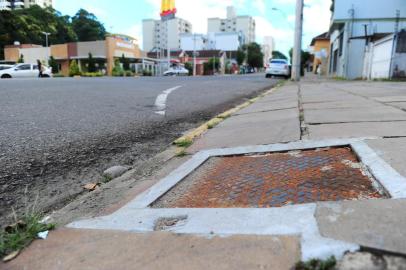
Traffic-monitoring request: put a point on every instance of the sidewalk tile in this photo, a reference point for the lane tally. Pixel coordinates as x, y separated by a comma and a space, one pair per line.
106, 250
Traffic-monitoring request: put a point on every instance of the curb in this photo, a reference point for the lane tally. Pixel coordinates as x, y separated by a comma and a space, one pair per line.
187, 140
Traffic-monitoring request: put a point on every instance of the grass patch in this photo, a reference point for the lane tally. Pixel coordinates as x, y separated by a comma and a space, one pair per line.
22, 233
314, 264
181, 152
185, 142
106, 179
338, 78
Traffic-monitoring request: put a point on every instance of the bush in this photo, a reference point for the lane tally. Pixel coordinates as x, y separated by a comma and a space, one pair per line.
146, 73
129, 73
53, 64
74, 69
93, 74
117, 70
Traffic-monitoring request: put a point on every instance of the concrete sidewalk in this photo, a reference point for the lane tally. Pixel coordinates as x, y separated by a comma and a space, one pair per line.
314, 110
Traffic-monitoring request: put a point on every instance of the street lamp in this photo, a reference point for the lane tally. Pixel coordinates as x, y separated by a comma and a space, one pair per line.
46, 42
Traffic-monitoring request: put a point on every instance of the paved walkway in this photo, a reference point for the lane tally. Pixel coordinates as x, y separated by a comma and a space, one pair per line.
316, 110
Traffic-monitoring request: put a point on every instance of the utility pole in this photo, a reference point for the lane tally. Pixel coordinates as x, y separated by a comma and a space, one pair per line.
194, 54
297, 50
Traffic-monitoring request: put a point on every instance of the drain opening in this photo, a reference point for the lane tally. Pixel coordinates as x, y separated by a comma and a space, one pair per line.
274, 180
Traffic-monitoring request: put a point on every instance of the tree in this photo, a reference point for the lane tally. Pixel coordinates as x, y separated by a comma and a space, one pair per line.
305, 56
255, 57
53, 64
126, 62
87, 27
27, 25
21, 59
240, 57
278, 55
74, 69
91, 63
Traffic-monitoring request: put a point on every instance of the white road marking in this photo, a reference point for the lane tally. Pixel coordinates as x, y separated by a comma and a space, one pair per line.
160, 102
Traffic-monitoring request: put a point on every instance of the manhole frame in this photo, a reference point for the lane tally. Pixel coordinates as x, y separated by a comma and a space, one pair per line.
392, 182
298, 220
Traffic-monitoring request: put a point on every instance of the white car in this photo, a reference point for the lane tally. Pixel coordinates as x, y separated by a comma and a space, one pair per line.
24, 71
177, 71
5, 66
278, 67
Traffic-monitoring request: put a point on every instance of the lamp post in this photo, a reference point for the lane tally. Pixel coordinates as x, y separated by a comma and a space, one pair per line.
297, 50
46, 43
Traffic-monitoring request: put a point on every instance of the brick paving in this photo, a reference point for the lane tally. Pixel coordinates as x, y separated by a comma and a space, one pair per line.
274, 180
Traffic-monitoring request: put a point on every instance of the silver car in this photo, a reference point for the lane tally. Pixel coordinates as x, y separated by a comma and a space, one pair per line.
278, 67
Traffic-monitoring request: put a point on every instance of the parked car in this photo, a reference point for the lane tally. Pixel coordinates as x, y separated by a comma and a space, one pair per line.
278, 67
5, 66
24, 71
176, 71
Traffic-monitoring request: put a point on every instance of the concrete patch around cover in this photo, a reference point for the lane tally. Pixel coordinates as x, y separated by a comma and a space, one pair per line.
289, 220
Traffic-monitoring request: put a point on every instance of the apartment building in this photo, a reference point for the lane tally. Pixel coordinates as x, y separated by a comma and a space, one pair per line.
159, 35
19, 4
233, 23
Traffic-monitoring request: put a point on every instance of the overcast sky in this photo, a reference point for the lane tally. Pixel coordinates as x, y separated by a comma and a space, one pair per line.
125, 16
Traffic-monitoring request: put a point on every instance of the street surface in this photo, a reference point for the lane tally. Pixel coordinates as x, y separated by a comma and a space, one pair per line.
59, 134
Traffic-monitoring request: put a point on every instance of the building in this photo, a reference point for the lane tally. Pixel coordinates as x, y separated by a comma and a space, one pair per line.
353, 23
105, 52
19, 4
320, 48
386, 57
268, 46
155, 33
234, 24
222, 41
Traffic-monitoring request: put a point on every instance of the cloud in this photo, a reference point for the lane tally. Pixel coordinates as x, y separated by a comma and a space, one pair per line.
136, 32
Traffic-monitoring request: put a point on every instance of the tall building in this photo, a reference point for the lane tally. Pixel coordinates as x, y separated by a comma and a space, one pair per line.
155, 35
19, 4
268, 46
234, 23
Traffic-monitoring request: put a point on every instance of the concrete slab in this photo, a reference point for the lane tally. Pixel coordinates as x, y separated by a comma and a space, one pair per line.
378, 113
400, 105
374, 223
269, 106
392, 151
356, 130
98, 249
252, 129
391, 99
340, 105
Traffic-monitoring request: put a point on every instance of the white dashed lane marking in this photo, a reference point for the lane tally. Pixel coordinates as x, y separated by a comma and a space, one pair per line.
160, 102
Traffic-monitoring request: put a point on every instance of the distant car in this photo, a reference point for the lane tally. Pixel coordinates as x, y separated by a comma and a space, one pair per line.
5, 66
278, 67
24, 71
176, 71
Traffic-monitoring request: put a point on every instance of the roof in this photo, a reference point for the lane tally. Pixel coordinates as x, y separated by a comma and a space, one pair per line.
324, 36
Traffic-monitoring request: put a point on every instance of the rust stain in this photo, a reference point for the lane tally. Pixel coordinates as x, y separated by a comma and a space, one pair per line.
279, 179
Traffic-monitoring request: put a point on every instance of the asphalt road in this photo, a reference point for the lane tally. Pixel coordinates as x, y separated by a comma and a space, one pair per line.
58, 134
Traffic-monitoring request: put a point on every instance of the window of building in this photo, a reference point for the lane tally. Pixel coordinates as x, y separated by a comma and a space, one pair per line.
341, 44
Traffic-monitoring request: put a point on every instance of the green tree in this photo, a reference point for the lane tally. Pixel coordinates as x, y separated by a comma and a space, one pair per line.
87, 27
74, 69
53, 64
255, 57
27, 25
126, 62
91, 63
278, 55
240, 57
117, 69
189, 67
21, 59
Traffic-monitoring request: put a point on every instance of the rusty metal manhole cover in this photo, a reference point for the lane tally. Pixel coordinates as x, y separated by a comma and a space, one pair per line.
273, 180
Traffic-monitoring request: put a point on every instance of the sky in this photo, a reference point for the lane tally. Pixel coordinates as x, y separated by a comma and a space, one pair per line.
125, 16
